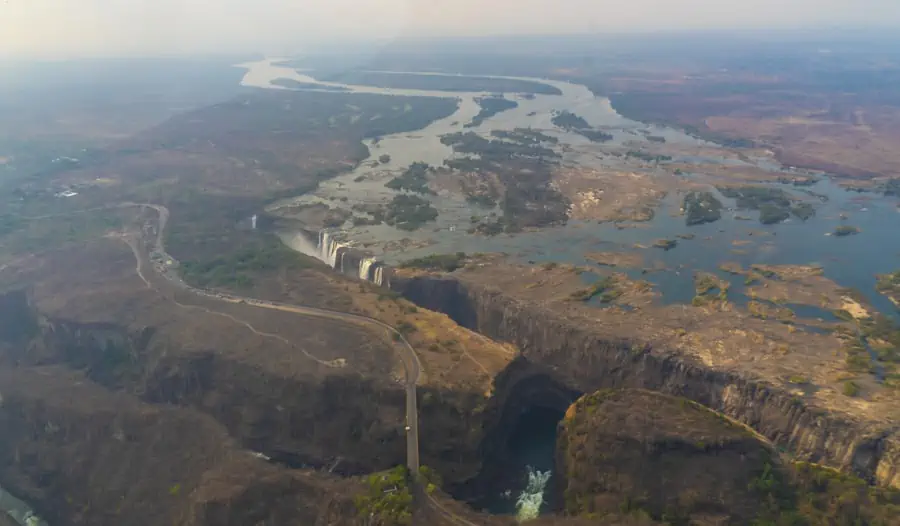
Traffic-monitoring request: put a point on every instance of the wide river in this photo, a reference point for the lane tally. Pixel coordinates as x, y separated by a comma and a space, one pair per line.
852, 261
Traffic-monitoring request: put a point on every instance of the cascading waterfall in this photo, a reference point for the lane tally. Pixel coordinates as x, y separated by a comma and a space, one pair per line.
528, 506
328, 248
333, 252
365, 266
253, 222
379, 276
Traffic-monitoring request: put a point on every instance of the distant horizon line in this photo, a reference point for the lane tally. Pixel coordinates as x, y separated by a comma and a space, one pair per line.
823, 33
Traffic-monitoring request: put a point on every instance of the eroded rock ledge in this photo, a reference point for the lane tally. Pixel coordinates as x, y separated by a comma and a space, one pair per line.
342, 422
587, 360
82, 455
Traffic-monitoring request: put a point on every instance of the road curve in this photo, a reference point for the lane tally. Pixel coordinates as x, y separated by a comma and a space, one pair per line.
411, 363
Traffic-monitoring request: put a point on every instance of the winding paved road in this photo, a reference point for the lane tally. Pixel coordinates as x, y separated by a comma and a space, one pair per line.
411, 363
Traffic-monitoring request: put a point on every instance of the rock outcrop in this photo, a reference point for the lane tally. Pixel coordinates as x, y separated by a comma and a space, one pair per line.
660, 454
332, 419
81, 455
673, 460
585, 359
301, 419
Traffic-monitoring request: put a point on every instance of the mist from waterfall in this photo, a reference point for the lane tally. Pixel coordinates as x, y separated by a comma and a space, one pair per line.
302, 244
333, 251
528, 505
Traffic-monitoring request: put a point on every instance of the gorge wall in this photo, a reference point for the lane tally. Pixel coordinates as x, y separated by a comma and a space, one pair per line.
341, 422
585, 360
80, 454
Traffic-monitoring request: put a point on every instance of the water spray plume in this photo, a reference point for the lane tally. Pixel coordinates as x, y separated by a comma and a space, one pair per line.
528, 506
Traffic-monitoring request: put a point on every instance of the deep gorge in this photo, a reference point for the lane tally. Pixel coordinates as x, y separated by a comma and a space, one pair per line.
519, 442
584, 360
471, 440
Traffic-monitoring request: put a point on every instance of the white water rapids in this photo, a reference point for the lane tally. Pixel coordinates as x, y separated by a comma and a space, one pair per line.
528, 505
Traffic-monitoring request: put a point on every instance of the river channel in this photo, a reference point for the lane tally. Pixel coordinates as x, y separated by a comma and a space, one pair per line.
852, 261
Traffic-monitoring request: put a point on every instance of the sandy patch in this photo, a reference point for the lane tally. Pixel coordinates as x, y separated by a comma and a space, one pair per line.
854, 308
608, 195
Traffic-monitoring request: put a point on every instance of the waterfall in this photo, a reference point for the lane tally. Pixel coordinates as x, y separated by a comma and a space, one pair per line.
253, 222
365, 266
528, 506
325, 248
329, 248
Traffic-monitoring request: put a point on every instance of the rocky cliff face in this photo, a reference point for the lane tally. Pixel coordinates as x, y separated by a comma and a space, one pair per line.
663, 455
82, 455
521, 387
585, 360
347, 423
302, 421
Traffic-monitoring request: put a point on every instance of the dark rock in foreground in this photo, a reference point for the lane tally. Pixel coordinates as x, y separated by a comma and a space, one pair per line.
665, 455
81, 455
666, 458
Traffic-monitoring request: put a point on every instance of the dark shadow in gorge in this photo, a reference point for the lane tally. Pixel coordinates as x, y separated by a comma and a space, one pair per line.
521, 431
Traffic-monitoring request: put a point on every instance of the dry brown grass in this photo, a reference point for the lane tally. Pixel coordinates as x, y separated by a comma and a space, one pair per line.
847, 134
97, 283
453, 357
845, 148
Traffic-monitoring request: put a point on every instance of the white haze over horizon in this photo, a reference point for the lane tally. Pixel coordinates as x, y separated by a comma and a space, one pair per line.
62, 29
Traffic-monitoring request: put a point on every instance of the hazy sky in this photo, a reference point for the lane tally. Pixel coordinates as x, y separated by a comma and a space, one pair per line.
64, 28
